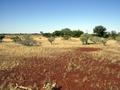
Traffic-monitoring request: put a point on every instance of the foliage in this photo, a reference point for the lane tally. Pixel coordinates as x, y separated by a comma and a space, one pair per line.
66, 32
100, 31
84, 38
96, 39
113, 34
51, 39
47, 34
118, 33
26, 40
77, 33
103, 41
106, 35
57, 33
16, 39
118, 39
66, 37
1, 37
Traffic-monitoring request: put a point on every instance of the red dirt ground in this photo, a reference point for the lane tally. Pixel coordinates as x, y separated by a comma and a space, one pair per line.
71, 70
88, 49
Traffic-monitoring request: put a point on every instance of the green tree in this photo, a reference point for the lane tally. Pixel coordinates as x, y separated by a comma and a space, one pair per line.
66, 31
113, 34
77, 33
47, 34
100, 31
57, 33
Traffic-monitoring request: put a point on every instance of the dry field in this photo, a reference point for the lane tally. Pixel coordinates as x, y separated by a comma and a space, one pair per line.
71, 65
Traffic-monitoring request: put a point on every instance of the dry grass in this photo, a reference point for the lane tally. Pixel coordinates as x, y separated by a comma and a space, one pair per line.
65, 57
11, 53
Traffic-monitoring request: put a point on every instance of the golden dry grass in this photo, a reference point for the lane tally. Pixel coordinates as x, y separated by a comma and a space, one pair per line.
11, 53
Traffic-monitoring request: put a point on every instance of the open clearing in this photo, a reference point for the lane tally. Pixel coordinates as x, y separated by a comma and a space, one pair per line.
68, 63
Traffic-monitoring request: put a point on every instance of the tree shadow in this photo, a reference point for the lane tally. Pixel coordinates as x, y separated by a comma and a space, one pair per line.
57, 88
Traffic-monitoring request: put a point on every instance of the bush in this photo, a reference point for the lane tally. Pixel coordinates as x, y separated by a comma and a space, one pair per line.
84, 38
118, 39
16, 39
26, 40
66, 37
1, 37
51, 39
47, 34
103, 41
96, 39
113, 34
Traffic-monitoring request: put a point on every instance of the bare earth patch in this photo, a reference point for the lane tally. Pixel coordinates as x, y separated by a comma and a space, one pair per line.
88, 49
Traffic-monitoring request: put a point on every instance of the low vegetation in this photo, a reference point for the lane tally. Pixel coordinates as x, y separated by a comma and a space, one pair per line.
26, 40
84, 38
51, 39
118, 39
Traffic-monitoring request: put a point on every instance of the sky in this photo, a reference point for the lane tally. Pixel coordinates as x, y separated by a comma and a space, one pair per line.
33, 16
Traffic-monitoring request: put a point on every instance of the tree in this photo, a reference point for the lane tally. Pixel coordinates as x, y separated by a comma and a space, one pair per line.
1, 37
41, 32
57, 33
100, 31
47, 34
66, 31
113, 34
77, 33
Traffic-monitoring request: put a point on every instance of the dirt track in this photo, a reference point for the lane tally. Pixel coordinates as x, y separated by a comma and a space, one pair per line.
75, 70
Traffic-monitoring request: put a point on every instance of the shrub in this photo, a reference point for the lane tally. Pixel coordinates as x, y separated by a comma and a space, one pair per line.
51, 39
113, 34
66, 37
84, 38
47, 34
103, 41
96, 39
26, 40
1, 37
118, 39
16, 39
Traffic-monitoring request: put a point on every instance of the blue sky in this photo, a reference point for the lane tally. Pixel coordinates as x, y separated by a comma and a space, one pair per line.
27, 16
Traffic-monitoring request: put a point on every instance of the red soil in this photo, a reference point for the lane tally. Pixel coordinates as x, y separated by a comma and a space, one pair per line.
88, 49
87, 74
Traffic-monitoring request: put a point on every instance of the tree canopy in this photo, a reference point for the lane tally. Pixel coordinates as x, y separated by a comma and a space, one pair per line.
99, 31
